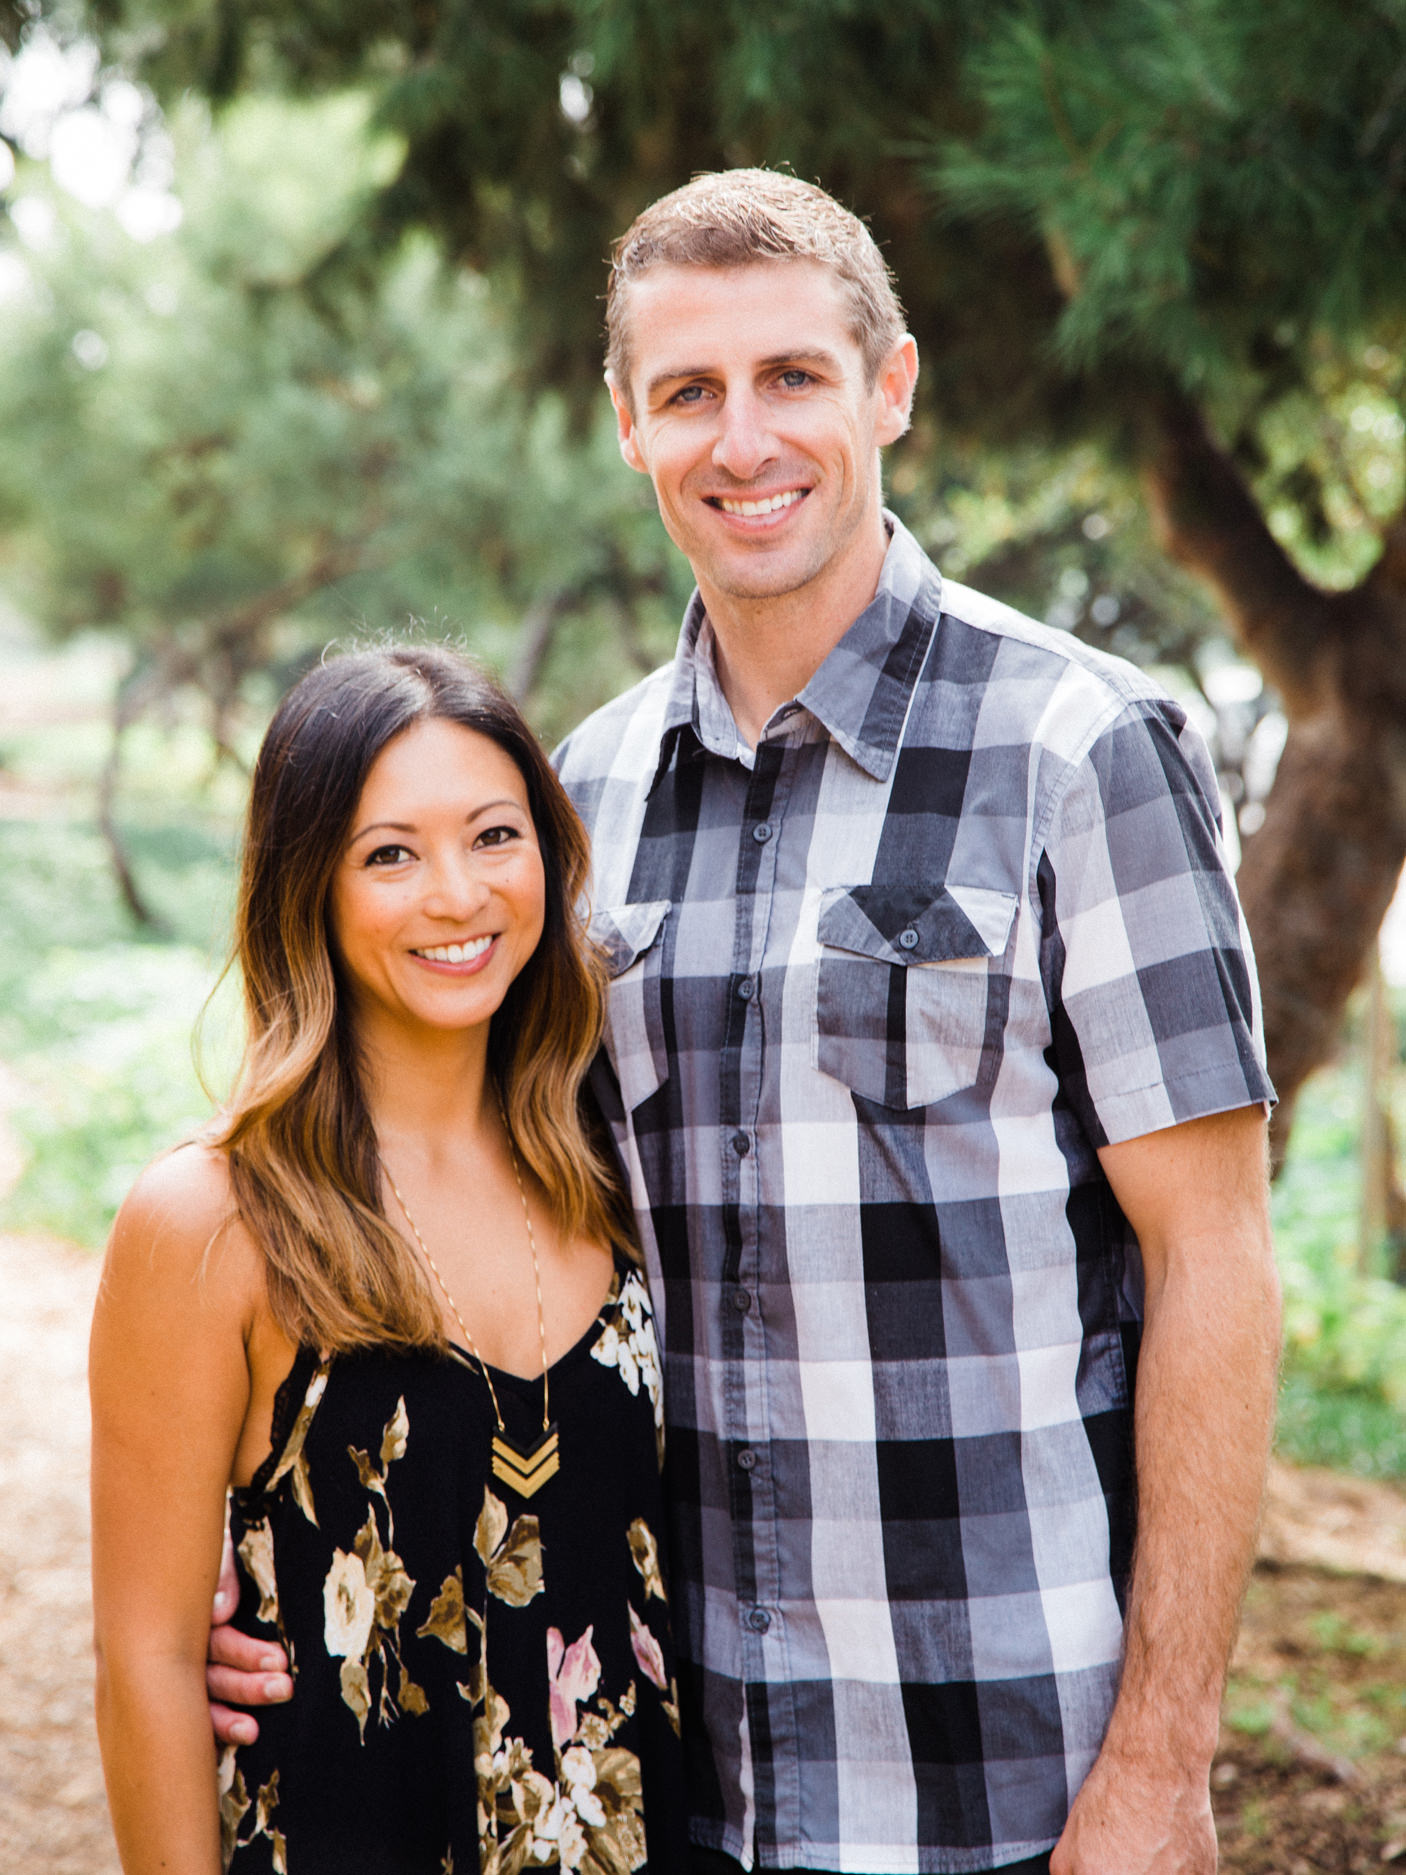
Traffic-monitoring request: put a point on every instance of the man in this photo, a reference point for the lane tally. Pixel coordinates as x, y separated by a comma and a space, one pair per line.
936, 1072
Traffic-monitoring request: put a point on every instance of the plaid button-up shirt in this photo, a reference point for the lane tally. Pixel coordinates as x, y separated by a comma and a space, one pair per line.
880, 990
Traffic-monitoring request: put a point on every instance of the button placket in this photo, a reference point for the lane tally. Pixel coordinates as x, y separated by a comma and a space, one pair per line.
748, 1409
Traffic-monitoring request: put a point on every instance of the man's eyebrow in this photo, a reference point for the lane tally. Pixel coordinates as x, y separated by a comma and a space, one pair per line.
679, 374
817, 356
674, 375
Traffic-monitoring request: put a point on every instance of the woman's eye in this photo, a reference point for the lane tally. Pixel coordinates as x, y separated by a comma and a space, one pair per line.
389, 856
497, 836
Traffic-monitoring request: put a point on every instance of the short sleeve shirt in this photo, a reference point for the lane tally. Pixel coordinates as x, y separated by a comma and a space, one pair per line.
881, 990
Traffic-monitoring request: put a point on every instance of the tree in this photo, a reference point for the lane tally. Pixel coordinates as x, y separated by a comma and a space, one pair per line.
201, 462
1170, 230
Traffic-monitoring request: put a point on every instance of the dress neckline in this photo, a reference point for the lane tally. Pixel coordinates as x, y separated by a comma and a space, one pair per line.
505, 1376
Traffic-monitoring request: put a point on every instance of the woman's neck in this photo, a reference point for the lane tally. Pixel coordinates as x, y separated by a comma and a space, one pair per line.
431, 1091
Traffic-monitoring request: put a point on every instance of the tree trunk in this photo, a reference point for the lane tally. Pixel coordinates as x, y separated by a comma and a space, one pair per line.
1317, 878
125, 707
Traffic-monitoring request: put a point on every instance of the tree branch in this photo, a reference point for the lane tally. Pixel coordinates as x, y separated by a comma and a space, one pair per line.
231, 641
535, 638
133, 694
1207, 519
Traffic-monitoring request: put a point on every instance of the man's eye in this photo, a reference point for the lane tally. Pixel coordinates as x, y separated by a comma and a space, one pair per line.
389, 856
690, 394
795, 380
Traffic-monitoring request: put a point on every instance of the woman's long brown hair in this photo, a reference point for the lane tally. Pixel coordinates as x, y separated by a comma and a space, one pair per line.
302, 1152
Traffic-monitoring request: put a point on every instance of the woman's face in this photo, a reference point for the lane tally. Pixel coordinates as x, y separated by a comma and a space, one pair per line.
439, 895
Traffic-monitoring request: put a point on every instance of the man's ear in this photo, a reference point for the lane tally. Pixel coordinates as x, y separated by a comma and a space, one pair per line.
625, 427
897, 381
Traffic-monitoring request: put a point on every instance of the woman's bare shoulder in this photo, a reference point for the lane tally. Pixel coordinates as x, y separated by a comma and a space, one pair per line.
186, 1188
180, 1216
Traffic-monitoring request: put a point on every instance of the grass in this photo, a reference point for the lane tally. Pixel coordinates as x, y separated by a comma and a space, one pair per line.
96, 1020
96, 1016
1343, 1395
1324, 1655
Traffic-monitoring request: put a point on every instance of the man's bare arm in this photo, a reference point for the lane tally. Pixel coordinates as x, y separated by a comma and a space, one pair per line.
1197, 1196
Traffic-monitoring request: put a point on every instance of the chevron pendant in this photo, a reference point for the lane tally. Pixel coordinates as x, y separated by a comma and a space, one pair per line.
526, 1471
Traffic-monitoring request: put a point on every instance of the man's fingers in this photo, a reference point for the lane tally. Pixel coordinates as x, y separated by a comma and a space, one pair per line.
232, 1728
245, 1652
229, 1686
227, 1589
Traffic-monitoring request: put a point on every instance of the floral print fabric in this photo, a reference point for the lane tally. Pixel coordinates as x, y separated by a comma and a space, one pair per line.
479, 1682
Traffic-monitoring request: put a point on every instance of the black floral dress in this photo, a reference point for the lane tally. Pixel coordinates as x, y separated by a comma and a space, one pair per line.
482, 1681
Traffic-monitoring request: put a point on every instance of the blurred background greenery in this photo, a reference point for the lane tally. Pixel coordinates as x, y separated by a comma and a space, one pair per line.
299, 340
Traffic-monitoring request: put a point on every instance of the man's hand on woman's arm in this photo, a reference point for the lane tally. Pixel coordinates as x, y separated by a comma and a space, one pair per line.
240, 1671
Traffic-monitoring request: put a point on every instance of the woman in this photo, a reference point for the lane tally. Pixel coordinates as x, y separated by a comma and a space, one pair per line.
389, 1301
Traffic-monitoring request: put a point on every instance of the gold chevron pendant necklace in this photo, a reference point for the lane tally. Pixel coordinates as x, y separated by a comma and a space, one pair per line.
525, 1468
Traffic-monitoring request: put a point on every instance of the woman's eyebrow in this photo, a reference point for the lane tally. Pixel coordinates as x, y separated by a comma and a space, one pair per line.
382, 826
410, 826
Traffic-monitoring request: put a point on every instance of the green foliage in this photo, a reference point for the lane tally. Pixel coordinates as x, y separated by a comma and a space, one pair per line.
1210, 175
533, 130
1343, 1400
96, 1027
230, 474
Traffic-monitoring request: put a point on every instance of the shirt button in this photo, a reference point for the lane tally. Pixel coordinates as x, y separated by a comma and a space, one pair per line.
758, 1620
908, 939
761, 833
747, 1458
747, 989
741, 1145
742, 1300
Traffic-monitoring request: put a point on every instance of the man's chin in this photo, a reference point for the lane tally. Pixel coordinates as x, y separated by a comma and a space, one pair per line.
758, 580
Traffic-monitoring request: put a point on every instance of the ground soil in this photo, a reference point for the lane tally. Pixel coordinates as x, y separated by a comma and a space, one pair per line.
52, 1815
1311, 1777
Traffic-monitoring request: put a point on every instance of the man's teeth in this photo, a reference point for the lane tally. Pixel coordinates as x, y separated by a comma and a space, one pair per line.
455, 953
768, 506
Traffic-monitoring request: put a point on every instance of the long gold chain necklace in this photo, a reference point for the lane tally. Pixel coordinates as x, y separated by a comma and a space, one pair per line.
525, 1468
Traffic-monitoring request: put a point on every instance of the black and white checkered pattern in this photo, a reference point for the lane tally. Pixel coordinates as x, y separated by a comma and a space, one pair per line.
879, 993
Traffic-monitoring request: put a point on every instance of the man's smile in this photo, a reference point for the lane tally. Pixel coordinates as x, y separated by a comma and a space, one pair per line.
757, 504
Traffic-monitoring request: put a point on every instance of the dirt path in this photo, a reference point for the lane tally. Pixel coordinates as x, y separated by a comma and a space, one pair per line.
52, 1814
1318, 1643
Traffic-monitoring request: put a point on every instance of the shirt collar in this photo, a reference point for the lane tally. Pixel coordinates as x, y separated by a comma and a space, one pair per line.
860, 693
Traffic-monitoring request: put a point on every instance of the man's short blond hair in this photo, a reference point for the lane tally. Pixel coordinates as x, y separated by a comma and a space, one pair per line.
736, 217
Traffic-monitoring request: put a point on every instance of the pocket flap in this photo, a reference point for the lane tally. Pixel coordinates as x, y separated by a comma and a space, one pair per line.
904, 925
625, 932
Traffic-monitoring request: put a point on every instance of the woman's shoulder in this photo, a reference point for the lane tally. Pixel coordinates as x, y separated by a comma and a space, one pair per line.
180, 1218
186, 1186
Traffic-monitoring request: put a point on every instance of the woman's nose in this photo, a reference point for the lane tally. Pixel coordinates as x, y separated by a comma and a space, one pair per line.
457, 889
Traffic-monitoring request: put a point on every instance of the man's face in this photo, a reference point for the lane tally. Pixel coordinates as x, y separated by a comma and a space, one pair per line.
751, 412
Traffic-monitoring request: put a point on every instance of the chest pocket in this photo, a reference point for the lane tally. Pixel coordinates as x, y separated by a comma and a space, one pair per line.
633, 938
903, 992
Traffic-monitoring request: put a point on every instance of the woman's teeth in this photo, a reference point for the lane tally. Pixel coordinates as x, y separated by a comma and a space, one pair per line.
455, 953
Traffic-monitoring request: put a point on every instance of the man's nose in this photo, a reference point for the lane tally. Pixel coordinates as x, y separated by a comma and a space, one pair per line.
745, 442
